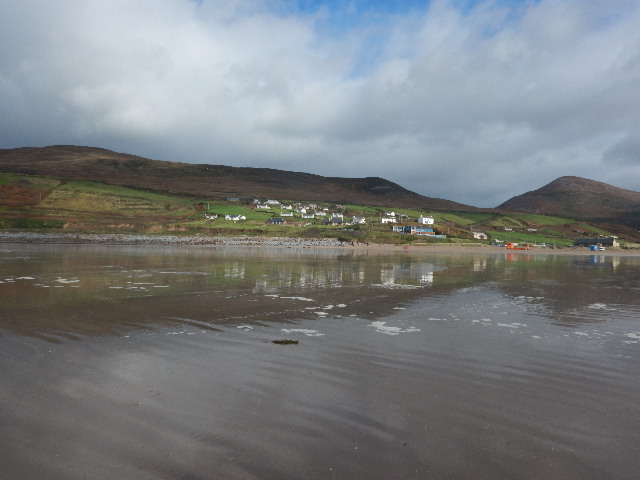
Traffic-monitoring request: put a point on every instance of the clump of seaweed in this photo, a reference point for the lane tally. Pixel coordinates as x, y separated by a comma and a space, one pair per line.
285, 342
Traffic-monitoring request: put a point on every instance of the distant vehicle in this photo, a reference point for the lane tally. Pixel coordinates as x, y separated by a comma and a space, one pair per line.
515, 246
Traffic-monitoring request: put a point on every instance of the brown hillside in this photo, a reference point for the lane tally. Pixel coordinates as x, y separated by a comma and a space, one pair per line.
582, 199
210, 181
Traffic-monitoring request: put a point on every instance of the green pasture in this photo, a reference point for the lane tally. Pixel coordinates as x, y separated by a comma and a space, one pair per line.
532, 237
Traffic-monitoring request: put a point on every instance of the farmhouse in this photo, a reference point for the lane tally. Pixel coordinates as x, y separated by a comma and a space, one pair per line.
422, 220
388, 220
276, 221
479, 235
235, 218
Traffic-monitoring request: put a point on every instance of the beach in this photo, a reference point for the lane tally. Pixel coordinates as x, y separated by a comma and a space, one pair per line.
251, 241
150, 361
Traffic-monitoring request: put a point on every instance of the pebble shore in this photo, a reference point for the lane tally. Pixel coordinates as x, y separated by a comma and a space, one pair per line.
127, 239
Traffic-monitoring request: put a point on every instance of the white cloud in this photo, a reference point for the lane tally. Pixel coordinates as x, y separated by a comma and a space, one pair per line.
472, 105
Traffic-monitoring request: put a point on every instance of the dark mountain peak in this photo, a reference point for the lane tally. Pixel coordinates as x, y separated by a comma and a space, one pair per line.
583, 184
580, 198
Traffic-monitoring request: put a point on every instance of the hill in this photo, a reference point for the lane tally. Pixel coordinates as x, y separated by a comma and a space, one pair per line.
581, 199
210, 181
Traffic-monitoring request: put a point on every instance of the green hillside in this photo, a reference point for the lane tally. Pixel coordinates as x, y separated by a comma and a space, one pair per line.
30, 202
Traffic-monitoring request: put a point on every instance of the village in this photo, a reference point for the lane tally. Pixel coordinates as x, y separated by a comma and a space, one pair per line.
308, 214
349, 218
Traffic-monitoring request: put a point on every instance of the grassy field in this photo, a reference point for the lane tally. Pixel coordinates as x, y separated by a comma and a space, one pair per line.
40, 203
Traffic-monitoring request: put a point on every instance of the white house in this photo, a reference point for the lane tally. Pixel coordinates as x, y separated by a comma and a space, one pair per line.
308, 215
263, 207
388, 220
422, 220
301, 210
286, 214
272, 202
358, 221
390, 214
321, 213
235, 217
479, 235
286, 207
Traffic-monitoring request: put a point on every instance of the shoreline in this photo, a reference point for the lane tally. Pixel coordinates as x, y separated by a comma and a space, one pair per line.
245, 241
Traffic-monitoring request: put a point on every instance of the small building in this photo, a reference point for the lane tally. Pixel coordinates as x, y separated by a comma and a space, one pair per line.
308, 215
263, 206
276, 221
420, 230
286, 214
358, 220
532, 229
272, 202
425, 220
508, 229
233, 199
600, 242
388, 220
235, 218
479, 235
321, 213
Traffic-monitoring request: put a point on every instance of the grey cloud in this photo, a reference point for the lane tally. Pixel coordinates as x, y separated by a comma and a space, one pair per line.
473, 106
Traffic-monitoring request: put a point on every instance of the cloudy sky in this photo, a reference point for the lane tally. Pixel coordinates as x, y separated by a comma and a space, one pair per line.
469, 100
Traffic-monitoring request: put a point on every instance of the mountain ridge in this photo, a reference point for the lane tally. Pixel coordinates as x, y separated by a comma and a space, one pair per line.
214, 181
580, 198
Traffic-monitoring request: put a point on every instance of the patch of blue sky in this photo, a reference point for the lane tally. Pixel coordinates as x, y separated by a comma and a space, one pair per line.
340, 17
370, 20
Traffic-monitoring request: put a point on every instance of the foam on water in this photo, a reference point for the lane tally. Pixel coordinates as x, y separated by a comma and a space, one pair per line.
304, 331
381, 327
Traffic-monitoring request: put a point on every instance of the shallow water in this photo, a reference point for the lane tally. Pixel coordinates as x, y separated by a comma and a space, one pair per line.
159, 362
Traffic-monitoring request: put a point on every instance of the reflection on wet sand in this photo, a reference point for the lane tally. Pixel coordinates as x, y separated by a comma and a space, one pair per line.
403, 365
70, 291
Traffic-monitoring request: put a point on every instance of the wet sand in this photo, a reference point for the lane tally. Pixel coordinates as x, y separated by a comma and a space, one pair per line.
159, 363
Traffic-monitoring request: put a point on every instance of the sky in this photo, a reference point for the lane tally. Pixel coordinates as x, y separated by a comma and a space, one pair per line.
468, 100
